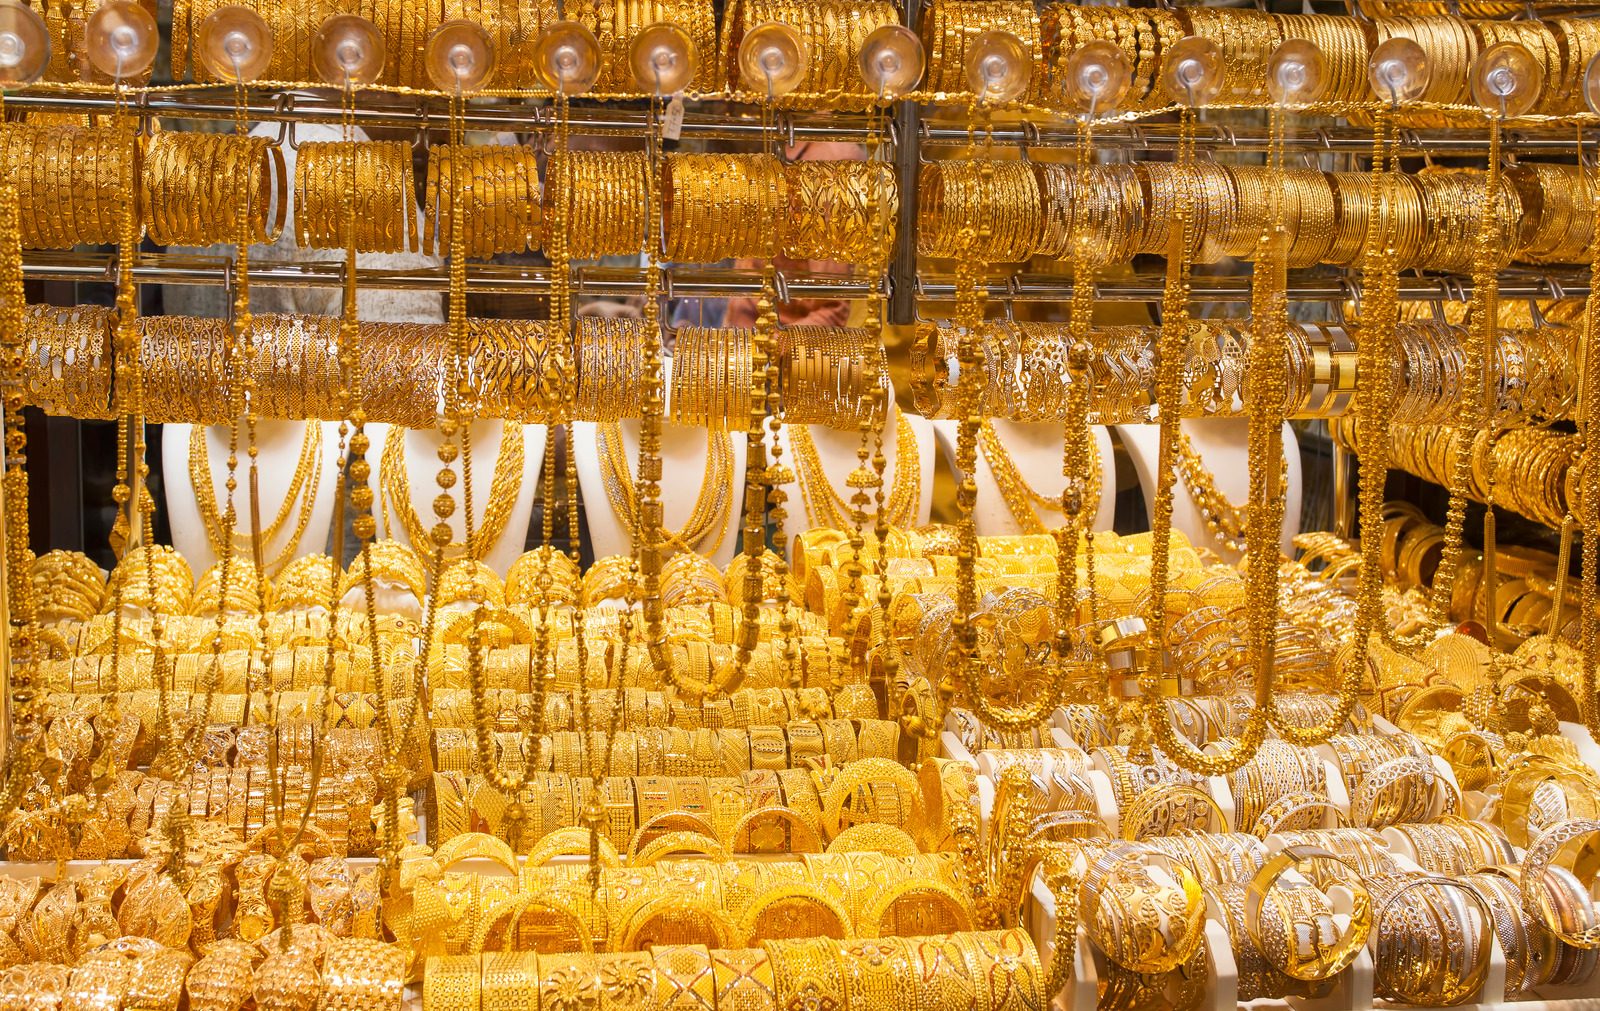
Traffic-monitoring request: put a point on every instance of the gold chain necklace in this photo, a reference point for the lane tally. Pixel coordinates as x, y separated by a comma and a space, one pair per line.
1021, 499
824, 505
711, 505
504, 487
1227, 522
303, 488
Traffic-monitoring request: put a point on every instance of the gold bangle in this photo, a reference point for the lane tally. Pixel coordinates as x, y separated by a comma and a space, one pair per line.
743, 979
476, 846
658, 920
1121, 907
794, 910
361, 974
916, 906
452, 982
568, 981
684, 980
806, 973
627, 981
510, 980
1281, 946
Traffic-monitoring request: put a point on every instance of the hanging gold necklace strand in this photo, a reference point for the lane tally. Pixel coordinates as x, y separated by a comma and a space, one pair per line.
711, 505
1174, 337
1226, 522
303, 488
1021, 500
826, 508
504, 487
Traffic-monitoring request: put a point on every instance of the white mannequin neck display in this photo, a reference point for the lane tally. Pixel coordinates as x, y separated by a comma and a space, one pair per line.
1221, 446
685, 457
421, 455
279, 447
1035, 449
836, 453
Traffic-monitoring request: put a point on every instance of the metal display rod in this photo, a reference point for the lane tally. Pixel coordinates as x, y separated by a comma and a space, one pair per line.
420, 112
713, 282
1307, 139
735, 121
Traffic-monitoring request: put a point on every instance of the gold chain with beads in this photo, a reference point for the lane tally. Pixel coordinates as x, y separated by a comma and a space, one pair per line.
1173, 339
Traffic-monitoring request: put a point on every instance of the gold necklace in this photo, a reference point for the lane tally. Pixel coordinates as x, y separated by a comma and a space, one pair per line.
711, 505
1021, 500
504, 487
1226, 522
826, 508
303, 487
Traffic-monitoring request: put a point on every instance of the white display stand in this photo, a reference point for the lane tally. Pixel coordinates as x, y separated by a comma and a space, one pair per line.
1036, 449
422, 463
683, 469
278, 445
1221, 445
837, 452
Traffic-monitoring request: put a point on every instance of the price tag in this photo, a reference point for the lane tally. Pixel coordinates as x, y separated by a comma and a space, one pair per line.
672, 123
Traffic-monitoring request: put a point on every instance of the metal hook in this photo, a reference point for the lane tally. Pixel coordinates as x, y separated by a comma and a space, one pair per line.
1352, 294
919, 295
141, 102
924, 140
281, 107
1535, 316
1029, 135
422, 128
1007, 305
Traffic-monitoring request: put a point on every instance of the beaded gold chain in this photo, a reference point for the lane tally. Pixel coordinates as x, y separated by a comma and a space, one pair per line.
505, 485
21, 614
970, 296
1228, 523
1173, 339
1588, 465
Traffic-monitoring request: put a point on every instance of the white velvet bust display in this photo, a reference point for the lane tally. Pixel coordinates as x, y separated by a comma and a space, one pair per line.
421, 449
836, 452
1035, 449
1221, 446
278, 446
684, 463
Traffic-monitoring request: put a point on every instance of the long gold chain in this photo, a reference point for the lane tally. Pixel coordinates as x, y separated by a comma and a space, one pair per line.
20, 609
505, 485
970, 296
1173, 339
1589, 491
303, 486
711, 505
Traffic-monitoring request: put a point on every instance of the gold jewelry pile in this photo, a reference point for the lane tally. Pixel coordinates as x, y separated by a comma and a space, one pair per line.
389, 738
